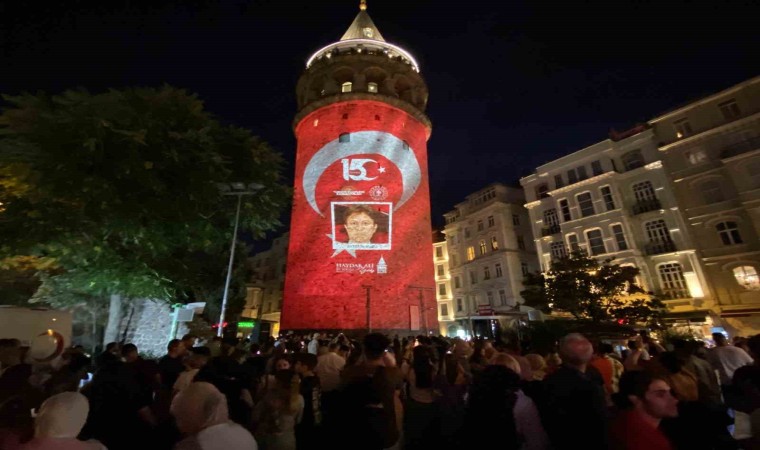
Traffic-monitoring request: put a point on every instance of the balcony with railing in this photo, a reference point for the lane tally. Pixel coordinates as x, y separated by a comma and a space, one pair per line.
642, 206
673, 294
740, 147
658, 248
550, 230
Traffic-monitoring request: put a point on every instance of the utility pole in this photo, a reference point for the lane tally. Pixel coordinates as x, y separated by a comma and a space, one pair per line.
369, 307
423, 310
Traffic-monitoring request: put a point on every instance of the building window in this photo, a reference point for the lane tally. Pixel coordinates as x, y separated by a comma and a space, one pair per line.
442, 289
632, 160
494, 243
657, 231
609, 201
711, 191
643, 191
558, 181
585, 204
439, 269
683, 128
499, 272
470, 253
550, 218
344, 137
491, 221
515, 219
439, 252
581, 173
558, 250
466, 233
486, 273
525, 269
480, 225
571, 176
564, 207
672, 281
489, 298
596, 167
753, 172
572, 241
617, 231
460, 305
730, 110
346, 87
372, 87
520, 243
473, 277
502, 297
729, 233
454, 261
457, 282
444, 309
542, 191
695, 157
596, 242
482, 247
747, 277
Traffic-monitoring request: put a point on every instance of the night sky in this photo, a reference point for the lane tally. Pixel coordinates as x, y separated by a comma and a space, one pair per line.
512, 84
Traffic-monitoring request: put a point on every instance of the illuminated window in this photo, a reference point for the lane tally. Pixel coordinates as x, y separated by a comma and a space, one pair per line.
609, 201
558, 250
595, 242
460, 305
486, 273
711, 191
564, 207
470, 253
695, 156
747, 277
730, 109
617, 231
520, 243
586, 204
480, 225
672, 281
345, 137
482, 247
494, 243
457, 282
491, 221
442, 289
596, 167
346, 87
489, 298
439, 270
499, 272
444, 309
729, 233
502, 297
632, 160
682, 128
473, 277
372, 87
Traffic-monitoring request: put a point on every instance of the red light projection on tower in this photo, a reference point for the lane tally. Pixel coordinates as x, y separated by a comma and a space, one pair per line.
361, 217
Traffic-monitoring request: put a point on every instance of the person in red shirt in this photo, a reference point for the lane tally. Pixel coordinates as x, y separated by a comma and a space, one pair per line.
645, 399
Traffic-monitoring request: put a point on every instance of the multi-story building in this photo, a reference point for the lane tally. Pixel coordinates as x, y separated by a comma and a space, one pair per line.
264, 299
488, 241
443, 292
678, 197
711, 151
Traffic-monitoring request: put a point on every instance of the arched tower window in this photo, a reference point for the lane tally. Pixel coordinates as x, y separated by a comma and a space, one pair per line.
372, 87
747, 277
346, 87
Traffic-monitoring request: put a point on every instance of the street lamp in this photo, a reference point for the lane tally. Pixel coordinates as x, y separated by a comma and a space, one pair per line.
423, 310
238, 189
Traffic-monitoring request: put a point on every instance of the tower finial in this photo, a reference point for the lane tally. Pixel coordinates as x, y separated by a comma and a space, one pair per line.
363, 5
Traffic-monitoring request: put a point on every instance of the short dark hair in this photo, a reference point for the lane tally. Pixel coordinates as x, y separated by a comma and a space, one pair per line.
754, 345
719, 337
636, 383
375, 345
111, 345
307, 359
173, 344
189, 336
359, 209
127, 349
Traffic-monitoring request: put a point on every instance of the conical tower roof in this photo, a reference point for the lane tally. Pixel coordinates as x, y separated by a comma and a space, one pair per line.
362, 27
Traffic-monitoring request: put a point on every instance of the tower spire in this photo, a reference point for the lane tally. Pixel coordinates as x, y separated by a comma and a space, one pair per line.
363, 5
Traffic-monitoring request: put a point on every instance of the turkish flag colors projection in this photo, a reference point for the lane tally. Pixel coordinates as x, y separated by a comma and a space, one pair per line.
361, 220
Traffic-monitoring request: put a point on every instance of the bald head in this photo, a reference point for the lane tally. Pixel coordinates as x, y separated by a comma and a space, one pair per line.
575, 349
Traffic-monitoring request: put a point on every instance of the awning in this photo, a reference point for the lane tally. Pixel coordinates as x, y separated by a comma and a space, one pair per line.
689, 316
743, 312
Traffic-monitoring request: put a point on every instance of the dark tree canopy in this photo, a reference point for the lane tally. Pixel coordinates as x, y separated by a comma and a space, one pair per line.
591, 290
117, 193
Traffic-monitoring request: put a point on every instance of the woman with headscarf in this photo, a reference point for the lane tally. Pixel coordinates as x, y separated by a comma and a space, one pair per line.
58, 423
201, 414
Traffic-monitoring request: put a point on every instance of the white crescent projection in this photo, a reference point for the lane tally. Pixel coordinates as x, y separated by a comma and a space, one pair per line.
364, 143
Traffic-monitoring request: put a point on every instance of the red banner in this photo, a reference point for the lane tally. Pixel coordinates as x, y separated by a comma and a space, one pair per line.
360, 221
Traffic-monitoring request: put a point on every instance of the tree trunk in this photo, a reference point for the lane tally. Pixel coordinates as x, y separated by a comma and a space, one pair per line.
111, 333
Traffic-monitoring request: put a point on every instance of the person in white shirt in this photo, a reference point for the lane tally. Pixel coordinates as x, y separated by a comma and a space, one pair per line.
314, 344
726, 358
329, 367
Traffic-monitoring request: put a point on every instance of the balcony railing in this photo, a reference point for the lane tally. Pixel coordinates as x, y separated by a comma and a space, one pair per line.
740, 147
643, 206
674, 294
550, 230
657, 248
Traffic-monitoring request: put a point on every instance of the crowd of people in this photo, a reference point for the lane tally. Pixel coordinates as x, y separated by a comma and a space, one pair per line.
308, 392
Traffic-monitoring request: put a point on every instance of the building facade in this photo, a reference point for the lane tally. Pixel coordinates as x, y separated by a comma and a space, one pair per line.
443, 292
265, 288
488, 251
710, 149
360, 221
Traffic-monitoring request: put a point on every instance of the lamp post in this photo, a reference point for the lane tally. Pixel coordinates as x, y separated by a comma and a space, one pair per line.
239, 190
423, 310
368, 288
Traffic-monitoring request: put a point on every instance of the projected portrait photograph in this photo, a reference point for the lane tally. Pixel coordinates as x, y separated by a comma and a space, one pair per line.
361, 225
